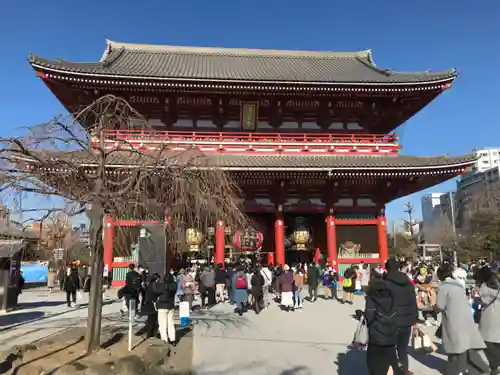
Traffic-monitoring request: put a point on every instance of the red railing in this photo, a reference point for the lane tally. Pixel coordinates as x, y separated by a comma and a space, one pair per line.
252, 142
186, 136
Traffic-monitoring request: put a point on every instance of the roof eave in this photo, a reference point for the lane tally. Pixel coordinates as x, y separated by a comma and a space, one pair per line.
444, 77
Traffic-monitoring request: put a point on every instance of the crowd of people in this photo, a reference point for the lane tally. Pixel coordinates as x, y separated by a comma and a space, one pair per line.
462, 302
469, 315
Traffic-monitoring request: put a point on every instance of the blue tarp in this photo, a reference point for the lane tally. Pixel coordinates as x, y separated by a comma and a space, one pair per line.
35, 273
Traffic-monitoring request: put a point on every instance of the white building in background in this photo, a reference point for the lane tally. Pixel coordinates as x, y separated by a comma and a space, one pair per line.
488, 158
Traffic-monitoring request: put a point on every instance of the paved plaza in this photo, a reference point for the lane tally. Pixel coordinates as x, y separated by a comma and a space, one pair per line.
41, 315
314, 341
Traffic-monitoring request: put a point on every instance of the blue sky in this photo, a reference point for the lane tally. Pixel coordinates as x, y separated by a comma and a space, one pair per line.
407, 36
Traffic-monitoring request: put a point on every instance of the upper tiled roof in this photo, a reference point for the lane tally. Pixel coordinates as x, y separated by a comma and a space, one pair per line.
239, 65
283, 162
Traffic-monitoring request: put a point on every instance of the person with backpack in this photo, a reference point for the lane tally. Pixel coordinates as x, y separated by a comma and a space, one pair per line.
380, 317
240, 293
165, 305
330, 284
348, 285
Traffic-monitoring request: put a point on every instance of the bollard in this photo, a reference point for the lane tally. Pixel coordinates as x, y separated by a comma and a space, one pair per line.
131, 316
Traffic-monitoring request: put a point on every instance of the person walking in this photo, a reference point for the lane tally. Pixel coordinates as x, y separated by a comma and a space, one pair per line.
266, 289
313, 277
149, 307
380, 314
240, 293
285, 281
489, 327
220, 283
298, 285
165, 305
405, 301
188, 287
460, 335
51, 279
71, 286
348, 285
207, 287
257, 283
132, 289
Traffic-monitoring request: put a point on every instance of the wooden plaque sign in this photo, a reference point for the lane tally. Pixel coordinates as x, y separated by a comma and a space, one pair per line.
249, 115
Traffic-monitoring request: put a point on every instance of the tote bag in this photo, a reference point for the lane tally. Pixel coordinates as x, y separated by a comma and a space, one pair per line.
361, 334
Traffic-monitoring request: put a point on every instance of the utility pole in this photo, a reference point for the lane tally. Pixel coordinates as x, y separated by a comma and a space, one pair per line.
409, 211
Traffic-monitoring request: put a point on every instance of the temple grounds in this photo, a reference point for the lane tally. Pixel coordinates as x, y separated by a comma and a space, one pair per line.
308, 342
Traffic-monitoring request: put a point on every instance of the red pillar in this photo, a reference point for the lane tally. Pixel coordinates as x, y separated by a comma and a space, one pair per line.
383, 249
279, 241
220, 243
270, 259
331, 239
108, 243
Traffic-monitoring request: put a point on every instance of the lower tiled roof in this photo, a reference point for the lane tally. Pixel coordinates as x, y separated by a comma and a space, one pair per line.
276, 162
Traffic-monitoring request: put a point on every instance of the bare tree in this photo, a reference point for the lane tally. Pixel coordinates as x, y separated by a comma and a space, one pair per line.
73, 159
479, 217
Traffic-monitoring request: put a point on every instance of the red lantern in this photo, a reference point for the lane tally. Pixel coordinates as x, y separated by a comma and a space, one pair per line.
248, 241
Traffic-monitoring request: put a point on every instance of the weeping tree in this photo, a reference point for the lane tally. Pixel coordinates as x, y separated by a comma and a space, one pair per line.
72, 158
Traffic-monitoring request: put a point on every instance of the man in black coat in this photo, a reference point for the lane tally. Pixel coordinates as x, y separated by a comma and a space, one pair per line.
313, 277
405, 300
133, 285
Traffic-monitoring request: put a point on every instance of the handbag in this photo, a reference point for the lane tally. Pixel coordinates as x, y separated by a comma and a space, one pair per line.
478, 313
361, 334
422, 343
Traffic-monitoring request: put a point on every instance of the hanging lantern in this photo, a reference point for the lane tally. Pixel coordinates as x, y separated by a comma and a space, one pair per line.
248, 241
301, 239
193, 239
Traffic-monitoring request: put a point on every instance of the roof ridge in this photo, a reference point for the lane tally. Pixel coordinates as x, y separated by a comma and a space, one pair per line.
158, 48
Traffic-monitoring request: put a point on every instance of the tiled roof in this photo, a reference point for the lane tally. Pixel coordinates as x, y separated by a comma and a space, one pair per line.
282, 162
239, 65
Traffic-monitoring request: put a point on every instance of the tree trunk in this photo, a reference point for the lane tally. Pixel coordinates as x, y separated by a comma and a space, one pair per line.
93, 334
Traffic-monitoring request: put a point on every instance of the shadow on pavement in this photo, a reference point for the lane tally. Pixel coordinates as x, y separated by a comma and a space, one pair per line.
9, 321
20, 317
351, 362
38, 304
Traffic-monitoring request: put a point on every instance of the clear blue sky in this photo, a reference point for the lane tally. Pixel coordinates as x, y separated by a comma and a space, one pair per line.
403, 35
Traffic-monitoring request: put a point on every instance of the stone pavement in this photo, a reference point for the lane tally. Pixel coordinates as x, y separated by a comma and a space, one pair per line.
314, 341
41, 315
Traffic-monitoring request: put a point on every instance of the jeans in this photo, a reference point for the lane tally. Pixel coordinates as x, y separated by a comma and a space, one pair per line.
220, 291
166, 325
71, 296
313, 292
298, 298
403, 339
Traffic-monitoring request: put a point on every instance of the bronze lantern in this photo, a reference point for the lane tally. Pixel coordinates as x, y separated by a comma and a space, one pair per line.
194, 237
301, 239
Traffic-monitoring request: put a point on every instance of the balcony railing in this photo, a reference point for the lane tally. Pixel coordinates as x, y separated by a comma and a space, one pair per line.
253, 142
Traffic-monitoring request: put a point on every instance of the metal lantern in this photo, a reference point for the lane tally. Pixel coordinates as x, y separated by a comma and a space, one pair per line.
193, 239
301, 239
248, 241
